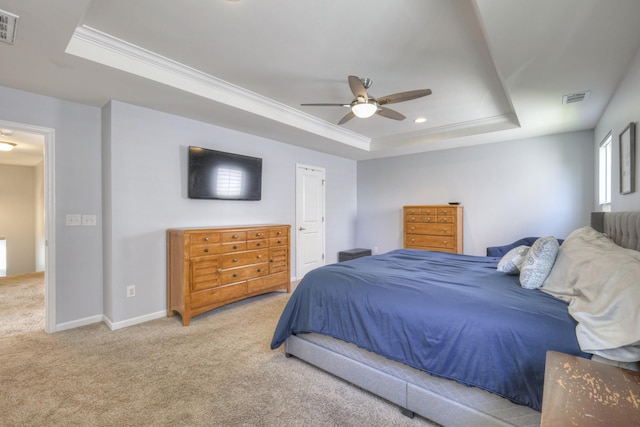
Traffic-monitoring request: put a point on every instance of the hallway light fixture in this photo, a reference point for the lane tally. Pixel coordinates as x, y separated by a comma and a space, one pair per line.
6, 146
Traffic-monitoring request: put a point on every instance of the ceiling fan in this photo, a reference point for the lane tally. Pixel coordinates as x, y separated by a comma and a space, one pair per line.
365, 106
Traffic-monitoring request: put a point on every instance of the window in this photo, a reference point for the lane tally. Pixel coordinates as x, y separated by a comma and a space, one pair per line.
604, 175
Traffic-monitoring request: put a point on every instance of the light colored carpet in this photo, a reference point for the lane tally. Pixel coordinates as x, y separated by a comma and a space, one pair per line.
219, 371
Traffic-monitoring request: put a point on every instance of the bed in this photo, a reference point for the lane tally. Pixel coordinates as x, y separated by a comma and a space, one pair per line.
437, 334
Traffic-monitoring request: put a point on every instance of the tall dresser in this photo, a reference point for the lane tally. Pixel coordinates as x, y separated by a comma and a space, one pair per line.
434, 228
212, 267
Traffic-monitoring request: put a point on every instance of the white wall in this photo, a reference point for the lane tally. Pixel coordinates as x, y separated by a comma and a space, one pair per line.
533, 187
40, 238
145, 193
623, 108
77, 190
17, 217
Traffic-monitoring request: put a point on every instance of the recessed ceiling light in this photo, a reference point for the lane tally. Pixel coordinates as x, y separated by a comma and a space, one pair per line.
420, 120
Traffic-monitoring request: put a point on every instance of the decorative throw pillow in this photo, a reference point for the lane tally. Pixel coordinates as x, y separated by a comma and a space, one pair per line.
511, 262
538, 262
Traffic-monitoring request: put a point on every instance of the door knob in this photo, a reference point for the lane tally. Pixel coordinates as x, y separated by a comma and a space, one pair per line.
301, 228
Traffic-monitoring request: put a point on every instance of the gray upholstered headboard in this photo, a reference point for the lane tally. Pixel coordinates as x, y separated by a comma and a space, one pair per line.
622, 227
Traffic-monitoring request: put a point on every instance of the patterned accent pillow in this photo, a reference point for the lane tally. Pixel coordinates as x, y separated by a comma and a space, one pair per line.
511, 262
538, 262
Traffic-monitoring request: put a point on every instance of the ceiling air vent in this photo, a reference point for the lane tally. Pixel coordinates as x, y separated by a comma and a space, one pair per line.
576, 97
8, 24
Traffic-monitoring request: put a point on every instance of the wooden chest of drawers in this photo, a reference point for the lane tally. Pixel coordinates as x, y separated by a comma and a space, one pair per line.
211, 267
433, 228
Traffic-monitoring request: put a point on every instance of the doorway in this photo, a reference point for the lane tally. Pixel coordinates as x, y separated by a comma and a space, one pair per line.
46, 136
310, 229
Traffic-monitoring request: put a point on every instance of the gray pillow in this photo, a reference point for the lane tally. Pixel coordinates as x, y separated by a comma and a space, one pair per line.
538, 262
511, 262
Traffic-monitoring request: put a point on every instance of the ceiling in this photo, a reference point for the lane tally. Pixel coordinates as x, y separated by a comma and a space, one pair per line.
498, 69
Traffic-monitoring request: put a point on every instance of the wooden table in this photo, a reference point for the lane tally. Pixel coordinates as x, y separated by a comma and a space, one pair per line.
580, 392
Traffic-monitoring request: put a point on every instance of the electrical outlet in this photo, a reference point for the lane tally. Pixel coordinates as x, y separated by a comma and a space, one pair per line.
375, 250
131, 291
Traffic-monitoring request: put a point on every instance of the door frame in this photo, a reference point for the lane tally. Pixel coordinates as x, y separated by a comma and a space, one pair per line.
299, 246
49, 218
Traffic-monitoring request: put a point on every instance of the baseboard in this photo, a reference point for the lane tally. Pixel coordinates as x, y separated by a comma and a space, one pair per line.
78, 323
134, 321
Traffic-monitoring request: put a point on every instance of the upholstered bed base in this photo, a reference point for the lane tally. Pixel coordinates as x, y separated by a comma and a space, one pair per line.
442, 401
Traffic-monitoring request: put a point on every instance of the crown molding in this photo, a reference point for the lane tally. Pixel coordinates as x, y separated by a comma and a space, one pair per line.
97, 46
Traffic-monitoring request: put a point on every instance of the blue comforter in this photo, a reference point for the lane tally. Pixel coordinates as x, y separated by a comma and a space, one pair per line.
453, 316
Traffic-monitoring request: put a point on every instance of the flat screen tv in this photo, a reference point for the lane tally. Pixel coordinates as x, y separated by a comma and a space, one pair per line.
219, 175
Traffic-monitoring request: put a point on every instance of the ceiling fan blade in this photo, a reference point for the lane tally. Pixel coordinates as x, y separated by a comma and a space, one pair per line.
403, 96
325, 105
358, 88
346, 118
390, 114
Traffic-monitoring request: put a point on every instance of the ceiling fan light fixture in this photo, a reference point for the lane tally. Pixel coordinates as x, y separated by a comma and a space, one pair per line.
364, 109
6, 146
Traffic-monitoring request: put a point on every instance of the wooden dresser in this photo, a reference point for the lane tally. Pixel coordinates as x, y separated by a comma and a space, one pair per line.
434, 228
212, 267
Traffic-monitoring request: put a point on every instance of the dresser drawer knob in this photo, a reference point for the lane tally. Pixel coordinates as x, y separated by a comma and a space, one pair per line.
235, 247
444, 242
259, 270
235, 260
257, 244
235, 275
235, 236
278, 233
219, 270
279, 241
206, 249
258, 234
259, 256
206, 239
413, 240
413, 228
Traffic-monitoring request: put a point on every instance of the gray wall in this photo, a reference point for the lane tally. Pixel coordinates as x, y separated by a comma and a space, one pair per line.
77, 190
533, 187
623, 108
145, 192
18, 217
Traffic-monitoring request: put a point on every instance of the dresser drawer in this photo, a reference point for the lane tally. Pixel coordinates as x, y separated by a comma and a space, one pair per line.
256, 285
446, 211
257, 244
219, 294
258, 233
279, 232
278, 241
433, 228
414, 218
424, 240
204, 273
234, 247
241, 259
234, 236
446, 219
243, 273
204, 238
205, 249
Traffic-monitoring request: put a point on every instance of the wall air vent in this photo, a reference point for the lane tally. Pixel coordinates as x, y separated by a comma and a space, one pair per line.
8, 25
576, 97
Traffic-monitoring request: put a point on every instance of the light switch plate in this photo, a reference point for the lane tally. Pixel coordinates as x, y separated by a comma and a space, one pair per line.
88, 220
74, 220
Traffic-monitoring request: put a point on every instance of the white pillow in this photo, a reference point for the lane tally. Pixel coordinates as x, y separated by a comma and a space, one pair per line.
538, 262
511, 262
579, 248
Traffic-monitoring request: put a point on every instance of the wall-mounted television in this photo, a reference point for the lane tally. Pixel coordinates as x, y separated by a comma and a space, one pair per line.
219, 175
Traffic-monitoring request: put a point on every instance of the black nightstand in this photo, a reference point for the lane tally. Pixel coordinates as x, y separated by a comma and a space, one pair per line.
353, 254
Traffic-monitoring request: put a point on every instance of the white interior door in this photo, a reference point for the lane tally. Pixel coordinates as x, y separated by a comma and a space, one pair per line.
310, 231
